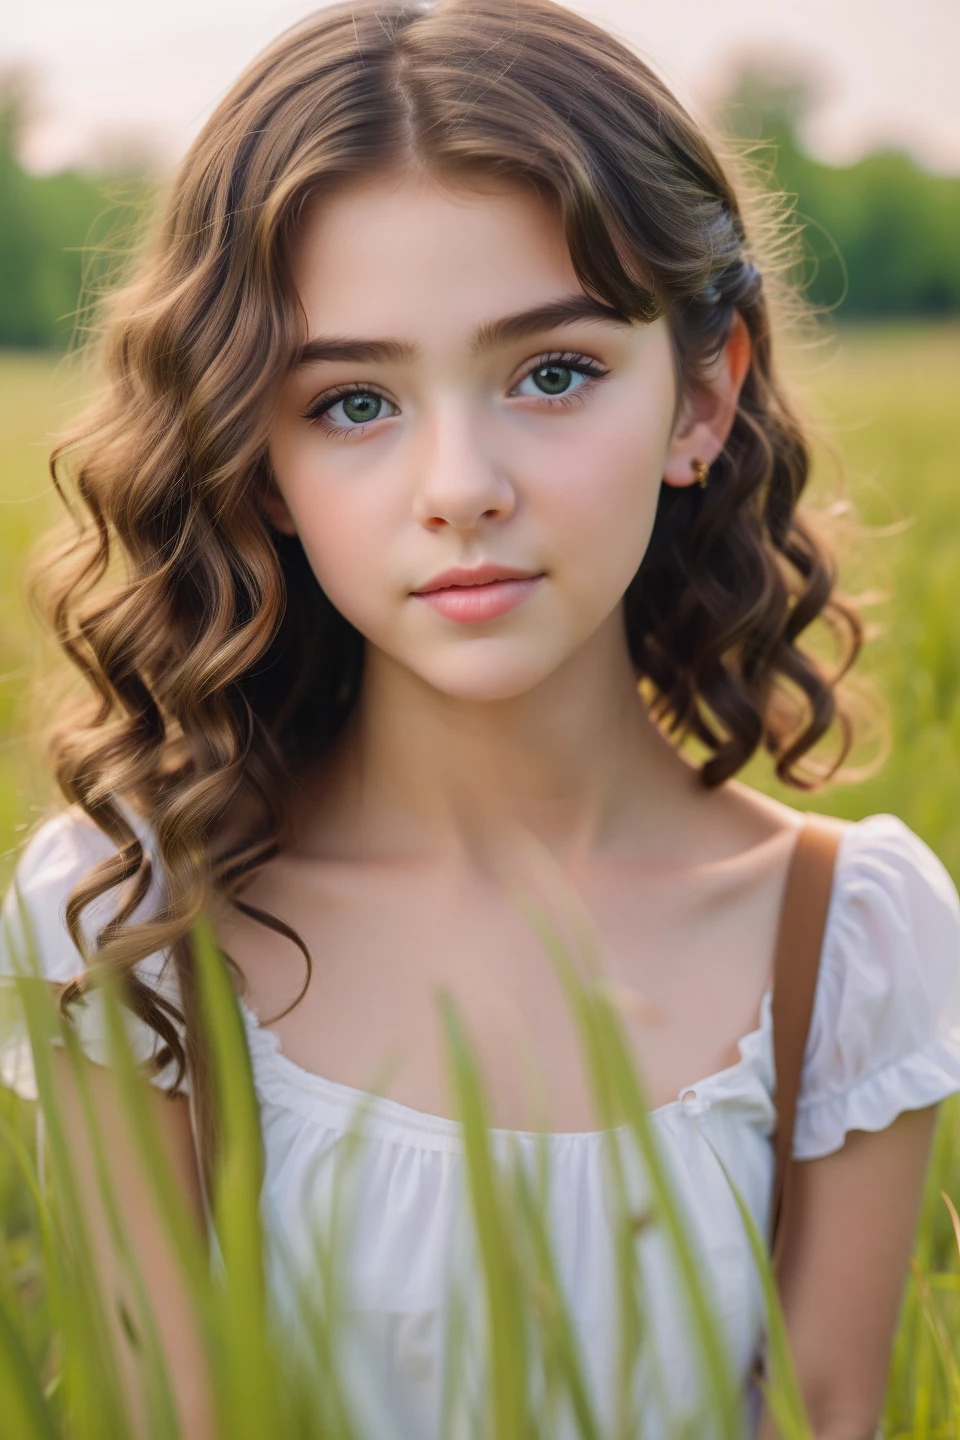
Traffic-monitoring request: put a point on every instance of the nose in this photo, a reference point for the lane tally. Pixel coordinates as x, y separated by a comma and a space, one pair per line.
458, 482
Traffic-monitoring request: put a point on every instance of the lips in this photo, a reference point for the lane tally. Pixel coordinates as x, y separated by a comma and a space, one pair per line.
459, 577
468, 604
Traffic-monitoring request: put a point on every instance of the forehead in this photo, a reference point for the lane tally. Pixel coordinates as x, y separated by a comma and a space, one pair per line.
399, 255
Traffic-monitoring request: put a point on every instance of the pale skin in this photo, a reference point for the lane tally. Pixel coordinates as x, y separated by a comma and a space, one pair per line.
518, 747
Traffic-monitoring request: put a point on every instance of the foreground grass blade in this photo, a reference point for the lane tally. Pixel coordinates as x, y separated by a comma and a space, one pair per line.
25, 1414
507, 1340
94, 1396
250, 1392
941, 1341
453, 1362
618, 1090
323, 1299
154, 1373
782, 1390
628, 1420
562, 1346
154, 1377
189, 1244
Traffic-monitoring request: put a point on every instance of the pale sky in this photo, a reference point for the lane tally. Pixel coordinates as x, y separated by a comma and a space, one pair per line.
153, 72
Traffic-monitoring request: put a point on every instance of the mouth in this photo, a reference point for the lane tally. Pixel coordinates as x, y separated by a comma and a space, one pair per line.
458, 578
470, 603
475, 584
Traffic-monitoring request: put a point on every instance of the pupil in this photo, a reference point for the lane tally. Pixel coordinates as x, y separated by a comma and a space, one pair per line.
553, 378
358, 407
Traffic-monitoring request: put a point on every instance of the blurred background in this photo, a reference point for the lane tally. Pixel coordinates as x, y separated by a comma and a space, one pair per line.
851, 109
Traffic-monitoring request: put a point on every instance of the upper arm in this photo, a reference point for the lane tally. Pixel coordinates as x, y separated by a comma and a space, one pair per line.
144, 1224
844, 1264
33, 933
883, 1051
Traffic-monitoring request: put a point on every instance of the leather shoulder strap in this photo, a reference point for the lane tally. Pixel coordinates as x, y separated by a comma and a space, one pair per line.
796, 965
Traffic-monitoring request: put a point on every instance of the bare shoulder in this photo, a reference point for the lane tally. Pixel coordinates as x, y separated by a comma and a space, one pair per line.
706, 827
755, 817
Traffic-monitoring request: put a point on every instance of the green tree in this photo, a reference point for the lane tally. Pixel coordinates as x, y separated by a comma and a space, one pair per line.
53, 230
882, 236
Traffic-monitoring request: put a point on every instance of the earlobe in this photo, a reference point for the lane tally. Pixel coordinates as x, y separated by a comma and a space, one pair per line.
684, 472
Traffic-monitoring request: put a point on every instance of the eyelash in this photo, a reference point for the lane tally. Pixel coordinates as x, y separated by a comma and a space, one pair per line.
569, 360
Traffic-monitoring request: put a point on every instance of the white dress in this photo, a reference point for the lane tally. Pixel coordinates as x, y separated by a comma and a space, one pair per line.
884, 1038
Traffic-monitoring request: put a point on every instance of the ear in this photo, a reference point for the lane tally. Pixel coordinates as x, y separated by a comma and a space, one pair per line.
707, 416
276, 510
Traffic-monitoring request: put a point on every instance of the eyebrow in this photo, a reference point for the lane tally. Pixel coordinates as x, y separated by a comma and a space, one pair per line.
489, 335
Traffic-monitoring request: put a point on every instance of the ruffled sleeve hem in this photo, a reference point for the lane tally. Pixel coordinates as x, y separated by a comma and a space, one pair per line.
921, 1079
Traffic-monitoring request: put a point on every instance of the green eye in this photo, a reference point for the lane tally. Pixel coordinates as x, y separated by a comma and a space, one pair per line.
560, 375
358, 406
362, 406
552, 379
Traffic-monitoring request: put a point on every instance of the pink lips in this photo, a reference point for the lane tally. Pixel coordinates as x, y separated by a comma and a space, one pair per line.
467, 603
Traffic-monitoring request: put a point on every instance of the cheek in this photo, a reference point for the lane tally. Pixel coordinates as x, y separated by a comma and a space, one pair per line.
347, 544
343, 524
602, 499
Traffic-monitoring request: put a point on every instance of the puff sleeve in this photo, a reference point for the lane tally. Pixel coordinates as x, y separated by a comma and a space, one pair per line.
58, 855
885, 1029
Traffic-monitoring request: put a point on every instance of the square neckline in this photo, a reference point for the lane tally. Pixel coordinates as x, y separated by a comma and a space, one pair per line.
345, 1098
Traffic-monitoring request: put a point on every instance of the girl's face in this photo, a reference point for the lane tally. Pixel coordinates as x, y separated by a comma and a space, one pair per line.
442, 417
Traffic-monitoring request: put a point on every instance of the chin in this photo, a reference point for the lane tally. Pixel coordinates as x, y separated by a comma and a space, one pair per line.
480, 683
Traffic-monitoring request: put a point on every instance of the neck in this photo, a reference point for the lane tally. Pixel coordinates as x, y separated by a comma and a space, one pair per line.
430, 776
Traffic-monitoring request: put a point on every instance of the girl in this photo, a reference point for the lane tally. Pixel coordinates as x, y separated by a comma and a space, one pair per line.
446, 489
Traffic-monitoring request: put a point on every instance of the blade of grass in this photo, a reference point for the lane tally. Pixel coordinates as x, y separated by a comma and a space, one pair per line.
941, 1340
506, 1336
954, 1217
250, 1392
722, 1384
562, 1342
156, 1382
628, 1422
25, 1415
453, 1374
155, 1378
324, 1307
94, 1394
619, 1091
186, 1238
782, 1390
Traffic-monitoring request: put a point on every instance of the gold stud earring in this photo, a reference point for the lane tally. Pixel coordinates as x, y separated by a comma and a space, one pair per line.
700, 469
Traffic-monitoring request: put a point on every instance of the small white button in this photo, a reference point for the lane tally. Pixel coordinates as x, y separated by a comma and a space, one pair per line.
688, 1097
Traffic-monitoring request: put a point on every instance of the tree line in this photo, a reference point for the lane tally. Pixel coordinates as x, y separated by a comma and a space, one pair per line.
880, 237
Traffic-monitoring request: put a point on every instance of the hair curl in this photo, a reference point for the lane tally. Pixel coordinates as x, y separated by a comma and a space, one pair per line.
216, 664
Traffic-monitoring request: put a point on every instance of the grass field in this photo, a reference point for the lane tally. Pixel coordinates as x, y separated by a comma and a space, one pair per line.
889, 398
886, 400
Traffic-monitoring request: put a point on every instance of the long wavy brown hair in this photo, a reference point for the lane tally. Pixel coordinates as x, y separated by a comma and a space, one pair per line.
216, 667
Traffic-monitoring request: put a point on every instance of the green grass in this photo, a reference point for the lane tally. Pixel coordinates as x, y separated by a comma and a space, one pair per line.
37, 395
889, 397
888, 394
528, 1359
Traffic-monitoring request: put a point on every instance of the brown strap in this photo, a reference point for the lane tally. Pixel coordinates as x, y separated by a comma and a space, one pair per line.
796, 963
